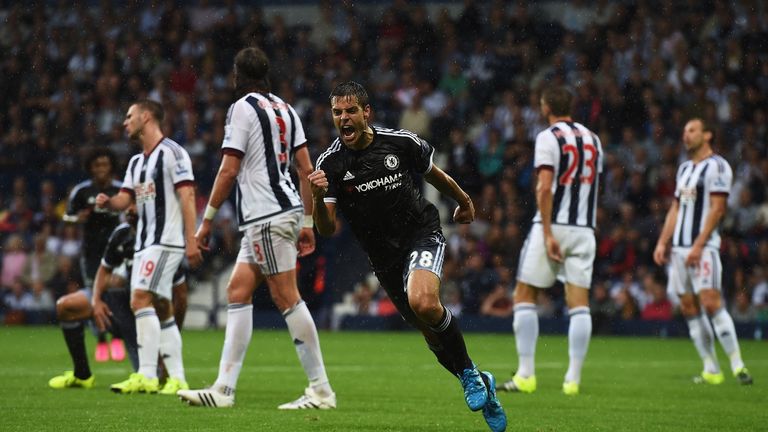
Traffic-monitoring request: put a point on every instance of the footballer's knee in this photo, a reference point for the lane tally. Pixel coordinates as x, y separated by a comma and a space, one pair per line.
710, 301
424, 296
163, 308
141, 299
576, 296
425, 304
72, 307
688, 306
524, 293
243, 282
63, 312
283, 290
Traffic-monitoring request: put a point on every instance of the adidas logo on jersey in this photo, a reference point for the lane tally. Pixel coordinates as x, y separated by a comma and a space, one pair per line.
348, 176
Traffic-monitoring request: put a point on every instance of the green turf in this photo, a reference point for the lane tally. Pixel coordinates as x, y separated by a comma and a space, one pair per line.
388, 382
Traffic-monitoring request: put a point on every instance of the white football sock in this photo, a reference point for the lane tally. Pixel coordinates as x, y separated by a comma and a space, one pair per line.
170, 349
726, 334
579, 333
526, 325
704, 341
304, 334
237, 337
148, 340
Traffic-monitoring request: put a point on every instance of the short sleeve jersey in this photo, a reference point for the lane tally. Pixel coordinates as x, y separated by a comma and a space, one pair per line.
152, 179
575, 156
375, 190
264, 132
99, 224
695, 183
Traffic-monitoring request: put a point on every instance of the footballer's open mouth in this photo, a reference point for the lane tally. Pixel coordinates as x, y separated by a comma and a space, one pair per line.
348, 132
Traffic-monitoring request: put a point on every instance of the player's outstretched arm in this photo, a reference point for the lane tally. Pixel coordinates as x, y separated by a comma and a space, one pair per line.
660, 253
465, 212
323, 213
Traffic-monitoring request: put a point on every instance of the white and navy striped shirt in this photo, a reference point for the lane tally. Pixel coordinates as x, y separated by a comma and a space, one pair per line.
694, 185
265, 133
575, 155
152, 179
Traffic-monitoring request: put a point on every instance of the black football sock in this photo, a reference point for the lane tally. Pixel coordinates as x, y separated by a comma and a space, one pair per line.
442, 356
75, 338
449, 335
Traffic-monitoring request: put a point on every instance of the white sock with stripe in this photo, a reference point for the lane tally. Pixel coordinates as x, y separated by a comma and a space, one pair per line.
148, 340
237, 337
704, 341
579, 334
170, 349
304, 334
526, 325
726, 334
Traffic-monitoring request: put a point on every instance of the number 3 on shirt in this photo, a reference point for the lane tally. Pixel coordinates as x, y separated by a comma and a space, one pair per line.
283, 156
588, 171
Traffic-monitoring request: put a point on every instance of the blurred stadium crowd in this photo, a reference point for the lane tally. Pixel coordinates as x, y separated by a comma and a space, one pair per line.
465, 76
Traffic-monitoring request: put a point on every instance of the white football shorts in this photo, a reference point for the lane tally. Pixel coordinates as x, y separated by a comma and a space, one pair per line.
577, 244
272, 245
154, 269
684, 279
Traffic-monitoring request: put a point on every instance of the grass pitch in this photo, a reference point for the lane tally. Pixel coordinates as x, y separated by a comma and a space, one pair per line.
389, 382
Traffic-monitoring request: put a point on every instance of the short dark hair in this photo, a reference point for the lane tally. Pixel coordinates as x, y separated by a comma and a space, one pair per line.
705, 127
155, 108
252, 67
348, 89
96, 153
558, 99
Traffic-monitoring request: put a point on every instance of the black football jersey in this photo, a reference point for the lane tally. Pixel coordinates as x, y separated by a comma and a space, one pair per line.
119, 248
100, 223
376, 192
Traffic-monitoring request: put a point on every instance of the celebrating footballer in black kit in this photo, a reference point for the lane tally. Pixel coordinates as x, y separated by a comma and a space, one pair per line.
368, 173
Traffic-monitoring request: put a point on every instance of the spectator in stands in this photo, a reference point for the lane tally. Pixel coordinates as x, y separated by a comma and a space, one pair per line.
626, 306
602, 308
14, 260
40, 265
659, 308
742, 311
462, 161
498, 303
760, 293
16, 302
